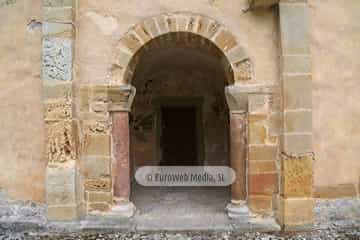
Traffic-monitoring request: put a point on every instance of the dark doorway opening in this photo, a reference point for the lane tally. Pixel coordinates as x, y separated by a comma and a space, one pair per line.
178, 138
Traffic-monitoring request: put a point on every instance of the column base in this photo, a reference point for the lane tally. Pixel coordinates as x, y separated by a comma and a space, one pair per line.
237, 209
125, 209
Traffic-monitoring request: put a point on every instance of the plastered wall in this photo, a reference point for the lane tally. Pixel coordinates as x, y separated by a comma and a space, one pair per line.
21, 118
335, 49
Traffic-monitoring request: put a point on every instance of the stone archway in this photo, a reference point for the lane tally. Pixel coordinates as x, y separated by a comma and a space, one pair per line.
187, 29
78, 119
100, 177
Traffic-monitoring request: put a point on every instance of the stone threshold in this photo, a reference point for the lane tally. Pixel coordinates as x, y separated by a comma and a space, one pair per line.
116, 223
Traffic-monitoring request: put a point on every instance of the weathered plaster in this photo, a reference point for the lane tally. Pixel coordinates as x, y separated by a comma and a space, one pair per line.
21, 121
335, 50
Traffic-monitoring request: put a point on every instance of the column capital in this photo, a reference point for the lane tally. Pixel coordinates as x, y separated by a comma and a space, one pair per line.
121, 98
237, 95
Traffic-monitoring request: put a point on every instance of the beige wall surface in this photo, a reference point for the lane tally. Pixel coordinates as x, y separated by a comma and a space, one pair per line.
21, 122
102, 23
335, 47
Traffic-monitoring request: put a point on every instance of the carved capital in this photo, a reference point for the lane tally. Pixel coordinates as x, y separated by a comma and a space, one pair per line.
237, 95
121, 97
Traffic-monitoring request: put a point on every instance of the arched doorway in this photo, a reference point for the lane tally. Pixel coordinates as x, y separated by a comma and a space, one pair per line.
180, 65
179, 117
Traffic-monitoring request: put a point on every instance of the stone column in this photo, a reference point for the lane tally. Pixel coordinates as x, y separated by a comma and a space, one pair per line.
296, 203
237, 102
238, 155
250, 145
237, 208
121, 148
121, 100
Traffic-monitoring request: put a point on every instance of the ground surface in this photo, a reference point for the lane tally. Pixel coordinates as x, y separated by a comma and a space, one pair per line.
348, 234
190, 208
199, 213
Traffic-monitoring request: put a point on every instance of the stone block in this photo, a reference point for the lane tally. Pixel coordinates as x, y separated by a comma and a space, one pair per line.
60, 195
257, 129
58, 14
203, 25
97, 144
297, 144
58, 110
298, 121
94, 116
263, 183
182, 21
225, 40
236, 55
333, 192
98, 184
131, 42
297, 212
96, 197
122, 58
142, 33
258, 103
275, 122
62, 213
242, 71
61, 141
297, 92
99, 207
260, 203
262, 167
96, 166
162, 24
60, 176
171, 22
294, 40
58, 3
296, 64
57, 90
54, 29
297, 176
213, 28
57, 59
99, 93
151, 28
263, 152
192, 23
99, 107
83, 99
95, 127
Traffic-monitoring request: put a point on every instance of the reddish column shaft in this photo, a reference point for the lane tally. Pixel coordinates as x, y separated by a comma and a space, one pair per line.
238, 155
121, 139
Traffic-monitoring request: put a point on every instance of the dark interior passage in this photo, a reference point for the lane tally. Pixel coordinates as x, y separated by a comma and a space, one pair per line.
178, 136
